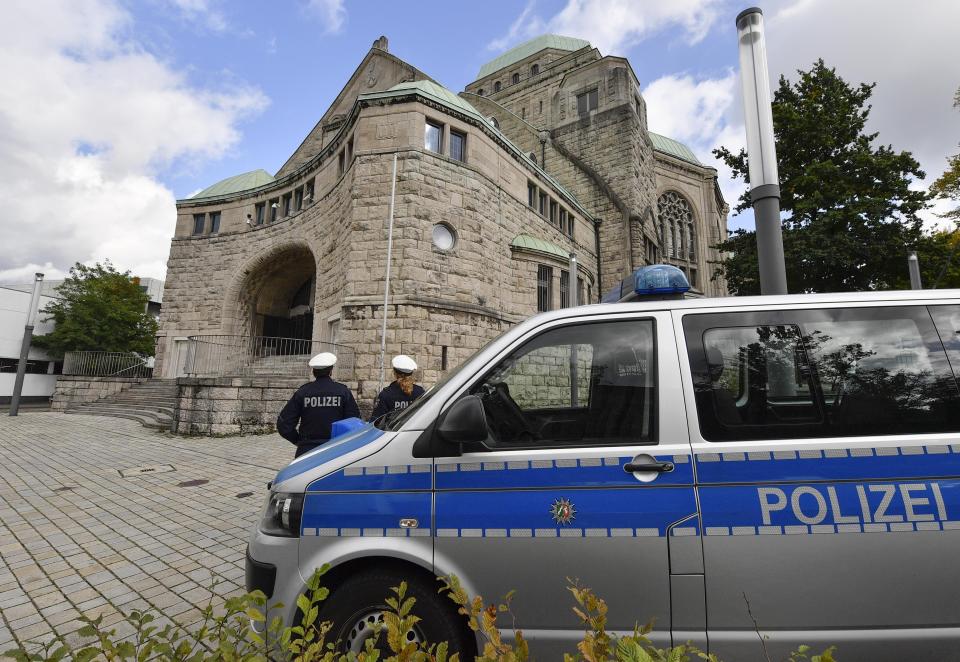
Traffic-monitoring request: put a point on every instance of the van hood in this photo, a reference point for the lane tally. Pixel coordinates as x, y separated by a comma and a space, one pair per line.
331, 456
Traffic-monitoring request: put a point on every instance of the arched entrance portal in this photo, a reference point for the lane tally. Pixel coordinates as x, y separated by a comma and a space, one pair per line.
292, 319
279, 297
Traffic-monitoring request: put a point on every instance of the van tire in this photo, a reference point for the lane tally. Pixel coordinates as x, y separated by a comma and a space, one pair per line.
364, 594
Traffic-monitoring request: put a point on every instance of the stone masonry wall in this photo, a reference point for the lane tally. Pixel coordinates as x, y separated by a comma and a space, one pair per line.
541, 378
74, 390
443, 302
605, 157
231, 405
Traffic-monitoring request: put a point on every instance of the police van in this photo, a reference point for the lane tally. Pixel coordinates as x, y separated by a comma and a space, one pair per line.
789, 464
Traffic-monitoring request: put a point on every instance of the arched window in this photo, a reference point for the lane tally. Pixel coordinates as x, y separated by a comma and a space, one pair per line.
496, 86
515, 79
534, 70
480, 91
673, 209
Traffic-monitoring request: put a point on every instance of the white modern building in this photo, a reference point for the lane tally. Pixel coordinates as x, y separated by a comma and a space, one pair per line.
42, 370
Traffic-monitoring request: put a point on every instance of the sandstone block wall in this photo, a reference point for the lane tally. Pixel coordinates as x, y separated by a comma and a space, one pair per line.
73, 390
225, 406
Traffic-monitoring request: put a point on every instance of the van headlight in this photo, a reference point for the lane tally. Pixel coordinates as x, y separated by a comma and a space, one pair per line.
282, 516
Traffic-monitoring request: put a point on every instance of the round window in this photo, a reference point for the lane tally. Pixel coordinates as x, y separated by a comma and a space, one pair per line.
444, 237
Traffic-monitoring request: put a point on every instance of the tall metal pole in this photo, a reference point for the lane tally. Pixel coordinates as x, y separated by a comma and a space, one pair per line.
761, 150
572, 294
25, 345
913, 265
386, 288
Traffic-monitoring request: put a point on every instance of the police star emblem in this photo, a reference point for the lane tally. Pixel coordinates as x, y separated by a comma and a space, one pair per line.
563, 511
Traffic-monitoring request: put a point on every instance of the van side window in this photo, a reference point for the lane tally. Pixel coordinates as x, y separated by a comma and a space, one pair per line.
759, 375
589, 384
947, 319
834, 372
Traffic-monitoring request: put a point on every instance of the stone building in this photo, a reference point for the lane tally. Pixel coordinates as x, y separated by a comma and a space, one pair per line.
545, 154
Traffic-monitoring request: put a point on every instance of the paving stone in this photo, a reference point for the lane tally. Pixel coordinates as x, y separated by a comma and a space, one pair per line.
132, 540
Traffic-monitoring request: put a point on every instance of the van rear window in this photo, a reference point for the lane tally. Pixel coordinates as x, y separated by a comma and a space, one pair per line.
833, 372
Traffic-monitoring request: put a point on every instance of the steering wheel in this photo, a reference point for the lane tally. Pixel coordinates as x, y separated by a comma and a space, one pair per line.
506, 413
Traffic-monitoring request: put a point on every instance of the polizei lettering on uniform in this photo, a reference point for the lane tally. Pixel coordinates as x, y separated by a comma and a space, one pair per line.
852, 504
322, 401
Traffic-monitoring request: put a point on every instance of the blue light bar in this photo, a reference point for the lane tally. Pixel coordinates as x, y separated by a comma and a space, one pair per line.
652, 280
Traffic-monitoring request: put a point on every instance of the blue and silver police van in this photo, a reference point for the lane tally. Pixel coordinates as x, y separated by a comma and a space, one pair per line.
685, 459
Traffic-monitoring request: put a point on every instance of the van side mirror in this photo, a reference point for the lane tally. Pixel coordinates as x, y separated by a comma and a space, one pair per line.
464, 422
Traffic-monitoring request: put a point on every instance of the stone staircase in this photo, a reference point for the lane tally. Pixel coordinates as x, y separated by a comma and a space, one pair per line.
151, 403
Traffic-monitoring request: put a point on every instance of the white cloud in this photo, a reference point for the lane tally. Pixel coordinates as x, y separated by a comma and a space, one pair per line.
615, 25
703, 114
332, 13
913, 56
204, 12
24, 274
912, 53
690, 110
523, 26
87, 119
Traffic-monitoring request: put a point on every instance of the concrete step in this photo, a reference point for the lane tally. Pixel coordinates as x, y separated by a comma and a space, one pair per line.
141, 414
150, 403
143, 401
146, 421
113, 408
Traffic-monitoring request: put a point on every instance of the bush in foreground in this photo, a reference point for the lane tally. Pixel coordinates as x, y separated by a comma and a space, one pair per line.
227, 633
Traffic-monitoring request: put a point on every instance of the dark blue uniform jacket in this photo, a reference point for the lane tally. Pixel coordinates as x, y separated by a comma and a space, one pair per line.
393, 398
316, 406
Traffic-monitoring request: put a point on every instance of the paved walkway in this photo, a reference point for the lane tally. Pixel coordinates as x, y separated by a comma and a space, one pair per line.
78, 538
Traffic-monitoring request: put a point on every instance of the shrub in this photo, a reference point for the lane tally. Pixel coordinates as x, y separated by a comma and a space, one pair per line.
226, 634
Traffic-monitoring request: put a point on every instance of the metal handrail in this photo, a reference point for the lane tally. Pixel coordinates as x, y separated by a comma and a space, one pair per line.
106, 364
244, 356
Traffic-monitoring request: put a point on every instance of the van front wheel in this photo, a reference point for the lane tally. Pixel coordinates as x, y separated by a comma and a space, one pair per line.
357, 606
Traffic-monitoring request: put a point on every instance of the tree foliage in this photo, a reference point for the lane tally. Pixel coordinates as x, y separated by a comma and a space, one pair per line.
939, 254
947, 186
849, 215
99, 309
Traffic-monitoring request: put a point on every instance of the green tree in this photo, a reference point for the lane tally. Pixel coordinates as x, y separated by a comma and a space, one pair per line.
947, 186
849, 215
99, 309
939, 254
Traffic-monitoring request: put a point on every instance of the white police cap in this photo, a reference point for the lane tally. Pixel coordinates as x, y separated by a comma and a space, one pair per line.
403, 363
323, 360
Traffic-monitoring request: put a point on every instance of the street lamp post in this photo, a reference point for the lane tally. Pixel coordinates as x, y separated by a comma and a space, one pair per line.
761, 150
913, 268
25, 345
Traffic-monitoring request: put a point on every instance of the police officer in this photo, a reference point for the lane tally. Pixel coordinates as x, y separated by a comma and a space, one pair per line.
401, 392
316, 406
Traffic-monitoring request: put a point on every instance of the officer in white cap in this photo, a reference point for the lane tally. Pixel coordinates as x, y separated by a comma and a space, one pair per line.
316, 406
401, 392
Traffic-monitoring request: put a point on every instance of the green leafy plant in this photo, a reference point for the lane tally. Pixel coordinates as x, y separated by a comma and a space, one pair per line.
99, 309
243, 629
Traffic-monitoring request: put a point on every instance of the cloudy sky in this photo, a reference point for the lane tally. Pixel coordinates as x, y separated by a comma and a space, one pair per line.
110, 110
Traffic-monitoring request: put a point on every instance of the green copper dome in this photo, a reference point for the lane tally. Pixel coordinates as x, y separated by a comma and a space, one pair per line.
528, 48
235, 184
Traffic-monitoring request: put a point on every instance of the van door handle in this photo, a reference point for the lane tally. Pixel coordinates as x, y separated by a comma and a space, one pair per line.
659, 467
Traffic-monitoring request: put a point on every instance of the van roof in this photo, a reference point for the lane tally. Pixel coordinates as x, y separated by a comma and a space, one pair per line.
756, 301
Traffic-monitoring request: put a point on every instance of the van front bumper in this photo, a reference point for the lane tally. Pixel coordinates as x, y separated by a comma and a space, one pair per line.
260, 576
272, 567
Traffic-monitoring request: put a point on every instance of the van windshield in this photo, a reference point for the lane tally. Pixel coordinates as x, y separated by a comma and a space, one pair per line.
394, 421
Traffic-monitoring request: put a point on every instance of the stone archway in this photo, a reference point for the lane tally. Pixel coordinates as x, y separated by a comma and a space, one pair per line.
273, 296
